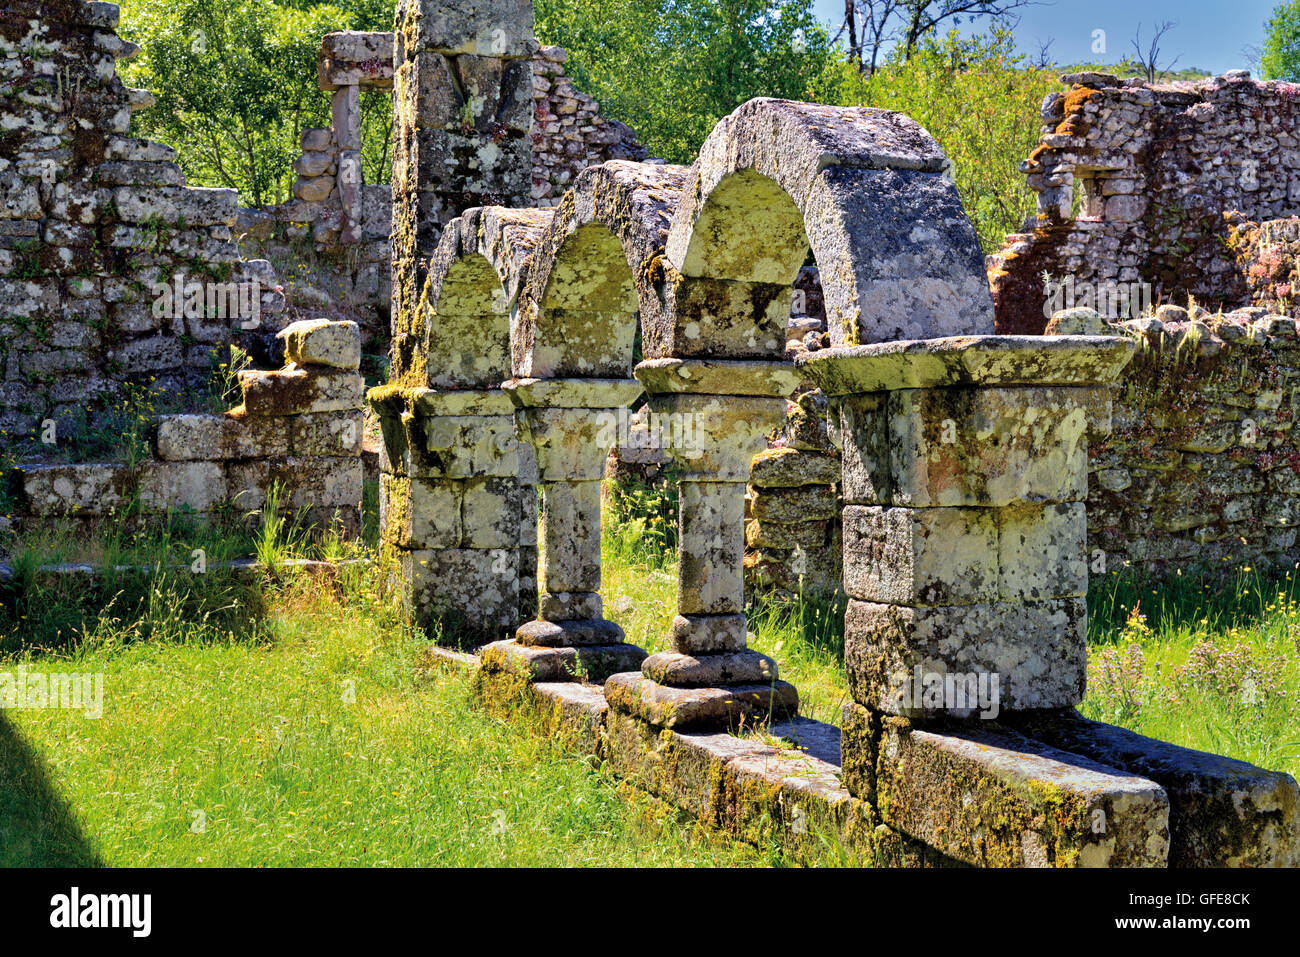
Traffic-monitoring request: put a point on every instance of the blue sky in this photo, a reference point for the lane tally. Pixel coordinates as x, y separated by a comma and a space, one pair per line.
1210, 33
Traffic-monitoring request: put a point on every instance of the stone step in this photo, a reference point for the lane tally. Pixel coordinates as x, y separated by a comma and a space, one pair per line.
1223, 812
991, 797
709, 671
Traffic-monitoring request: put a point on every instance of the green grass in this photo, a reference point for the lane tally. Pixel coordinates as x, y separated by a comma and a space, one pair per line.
1210, 662
319, 737
297, 720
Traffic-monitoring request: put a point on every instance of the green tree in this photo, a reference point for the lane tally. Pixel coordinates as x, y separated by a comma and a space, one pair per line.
672, 68
978, 99
1279, 58
235, 85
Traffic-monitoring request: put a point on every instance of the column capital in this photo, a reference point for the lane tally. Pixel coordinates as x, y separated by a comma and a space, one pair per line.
572, 393
673, 376
968, 361
571, 423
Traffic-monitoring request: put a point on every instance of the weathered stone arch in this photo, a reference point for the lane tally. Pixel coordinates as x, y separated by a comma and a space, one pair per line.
585, 320
898, 256
598, 264
475, 278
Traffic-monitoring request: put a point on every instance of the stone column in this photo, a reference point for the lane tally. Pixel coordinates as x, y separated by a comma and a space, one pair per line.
571, 424
450, 506
717, 414
463, 115
964, 487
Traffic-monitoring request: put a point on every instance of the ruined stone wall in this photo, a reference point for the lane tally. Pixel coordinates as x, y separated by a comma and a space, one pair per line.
569, 134
1200, 464
90, 220
1133, 181
792, 509
298, 428
330, 242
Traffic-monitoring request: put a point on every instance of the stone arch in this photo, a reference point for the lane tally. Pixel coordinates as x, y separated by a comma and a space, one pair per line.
473, 288
899, 258
598, 265
585, 320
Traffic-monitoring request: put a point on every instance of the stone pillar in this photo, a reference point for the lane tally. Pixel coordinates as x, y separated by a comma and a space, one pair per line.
463, 114
964, 487
719, 413
348, 61
450, 505
571, 424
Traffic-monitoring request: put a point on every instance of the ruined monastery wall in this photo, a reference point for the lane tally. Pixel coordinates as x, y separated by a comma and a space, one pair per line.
1133, 181
90, 220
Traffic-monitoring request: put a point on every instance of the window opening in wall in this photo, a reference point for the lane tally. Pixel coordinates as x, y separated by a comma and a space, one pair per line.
1088, 202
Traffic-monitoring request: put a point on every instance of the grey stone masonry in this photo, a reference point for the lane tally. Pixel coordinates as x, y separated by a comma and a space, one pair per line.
458, 493
342, 220
298, 431
114, 275
463, 112
964, 477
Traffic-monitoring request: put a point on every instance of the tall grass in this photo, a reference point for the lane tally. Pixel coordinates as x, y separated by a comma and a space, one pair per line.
328, 743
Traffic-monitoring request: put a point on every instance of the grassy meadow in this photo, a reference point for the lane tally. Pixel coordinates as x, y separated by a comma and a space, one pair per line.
293, 718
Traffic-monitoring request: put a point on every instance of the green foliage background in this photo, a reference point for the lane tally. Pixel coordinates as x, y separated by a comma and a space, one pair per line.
671, 69
1279, 58
235, 106
236, 85
979, 99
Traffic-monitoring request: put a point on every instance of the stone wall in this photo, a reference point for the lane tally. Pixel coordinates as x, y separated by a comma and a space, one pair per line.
1133, 181
299, 427
91, 219
1200, 465
569, 134
792, 524
330, 242
94, 227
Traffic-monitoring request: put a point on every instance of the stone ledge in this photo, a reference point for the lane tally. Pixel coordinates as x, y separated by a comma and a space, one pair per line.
968, 360
995, 798
787, 785
1223, 812
755, 790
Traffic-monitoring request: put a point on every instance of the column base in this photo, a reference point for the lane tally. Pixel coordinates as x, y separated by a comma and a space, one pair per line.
696, 709
586, 632
593, 663
676, 670
709, 634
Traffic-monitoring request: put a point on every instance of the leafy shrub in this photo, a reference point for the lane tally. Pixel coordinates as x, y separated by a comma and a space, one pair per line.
236, 85
641, 522
979, 99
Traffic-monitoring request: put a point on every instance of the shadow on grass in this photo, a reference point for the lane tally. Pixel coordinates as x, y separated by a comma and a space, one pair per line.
37, 827
62, 613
